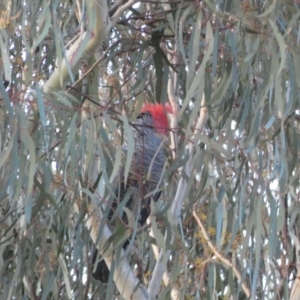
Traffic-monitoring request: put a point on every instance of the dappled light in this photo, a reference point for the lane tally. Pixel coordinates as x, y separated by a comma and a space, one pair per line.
156, 139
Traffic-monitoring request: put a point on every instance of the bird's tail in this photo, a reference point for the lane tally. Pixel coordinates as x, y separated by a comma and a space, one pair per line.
102, 272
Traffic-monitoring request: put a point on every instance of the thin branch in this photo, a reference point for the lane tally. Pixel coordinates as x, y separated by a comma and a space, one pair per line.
174, 101
122, 7
101, 58
126, 282
224, 260
95, 36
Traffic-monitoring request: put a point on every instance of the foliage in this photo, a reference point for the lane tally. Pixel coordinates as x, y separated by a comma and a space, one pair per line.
235, 180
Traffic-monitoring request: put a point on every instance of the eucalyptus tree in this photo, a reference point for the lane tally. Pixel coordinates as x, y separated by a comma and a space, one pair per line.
75, 75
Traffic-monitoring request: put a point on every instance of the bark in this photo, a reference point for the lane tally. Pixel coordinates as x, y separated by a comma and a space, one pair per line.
99, 25
160, 267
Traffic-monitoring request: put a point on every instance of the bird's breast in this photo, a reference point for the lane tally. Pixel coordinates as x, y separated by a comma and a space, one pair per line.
148, 158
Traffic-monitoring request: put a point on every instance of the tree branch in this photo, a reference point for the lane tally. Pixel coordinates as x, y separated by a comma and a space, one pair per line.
224, 260
127, 284
178, 200
175, 293
99, 26
122, 6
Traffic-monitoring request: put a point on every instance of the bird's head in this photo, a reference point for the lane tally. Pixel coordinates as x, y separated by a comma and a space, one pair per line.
159, 115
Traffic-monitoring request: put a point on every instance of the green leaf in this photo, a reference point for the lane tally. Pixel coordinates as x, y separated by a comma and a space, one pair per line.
130, 147
199, 75
45, 24
281, 44
157, 234
41, 107
268, 10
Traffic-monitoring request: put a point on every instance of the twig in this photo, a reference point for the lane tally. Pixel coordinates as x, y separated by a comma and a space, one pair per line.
122, 7
224, 260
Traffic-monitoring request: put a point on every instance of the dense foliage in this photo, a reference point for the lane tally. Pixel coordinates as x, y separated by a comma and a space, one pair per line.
76, 73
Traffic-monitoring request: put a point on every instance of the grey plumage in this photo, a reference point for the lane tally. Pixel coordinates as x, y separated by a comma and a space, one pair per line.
149, 155
143, 179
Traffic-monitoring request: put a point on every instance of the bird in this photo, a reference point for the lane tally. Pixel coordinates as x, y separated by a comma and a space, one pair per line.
150, 130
